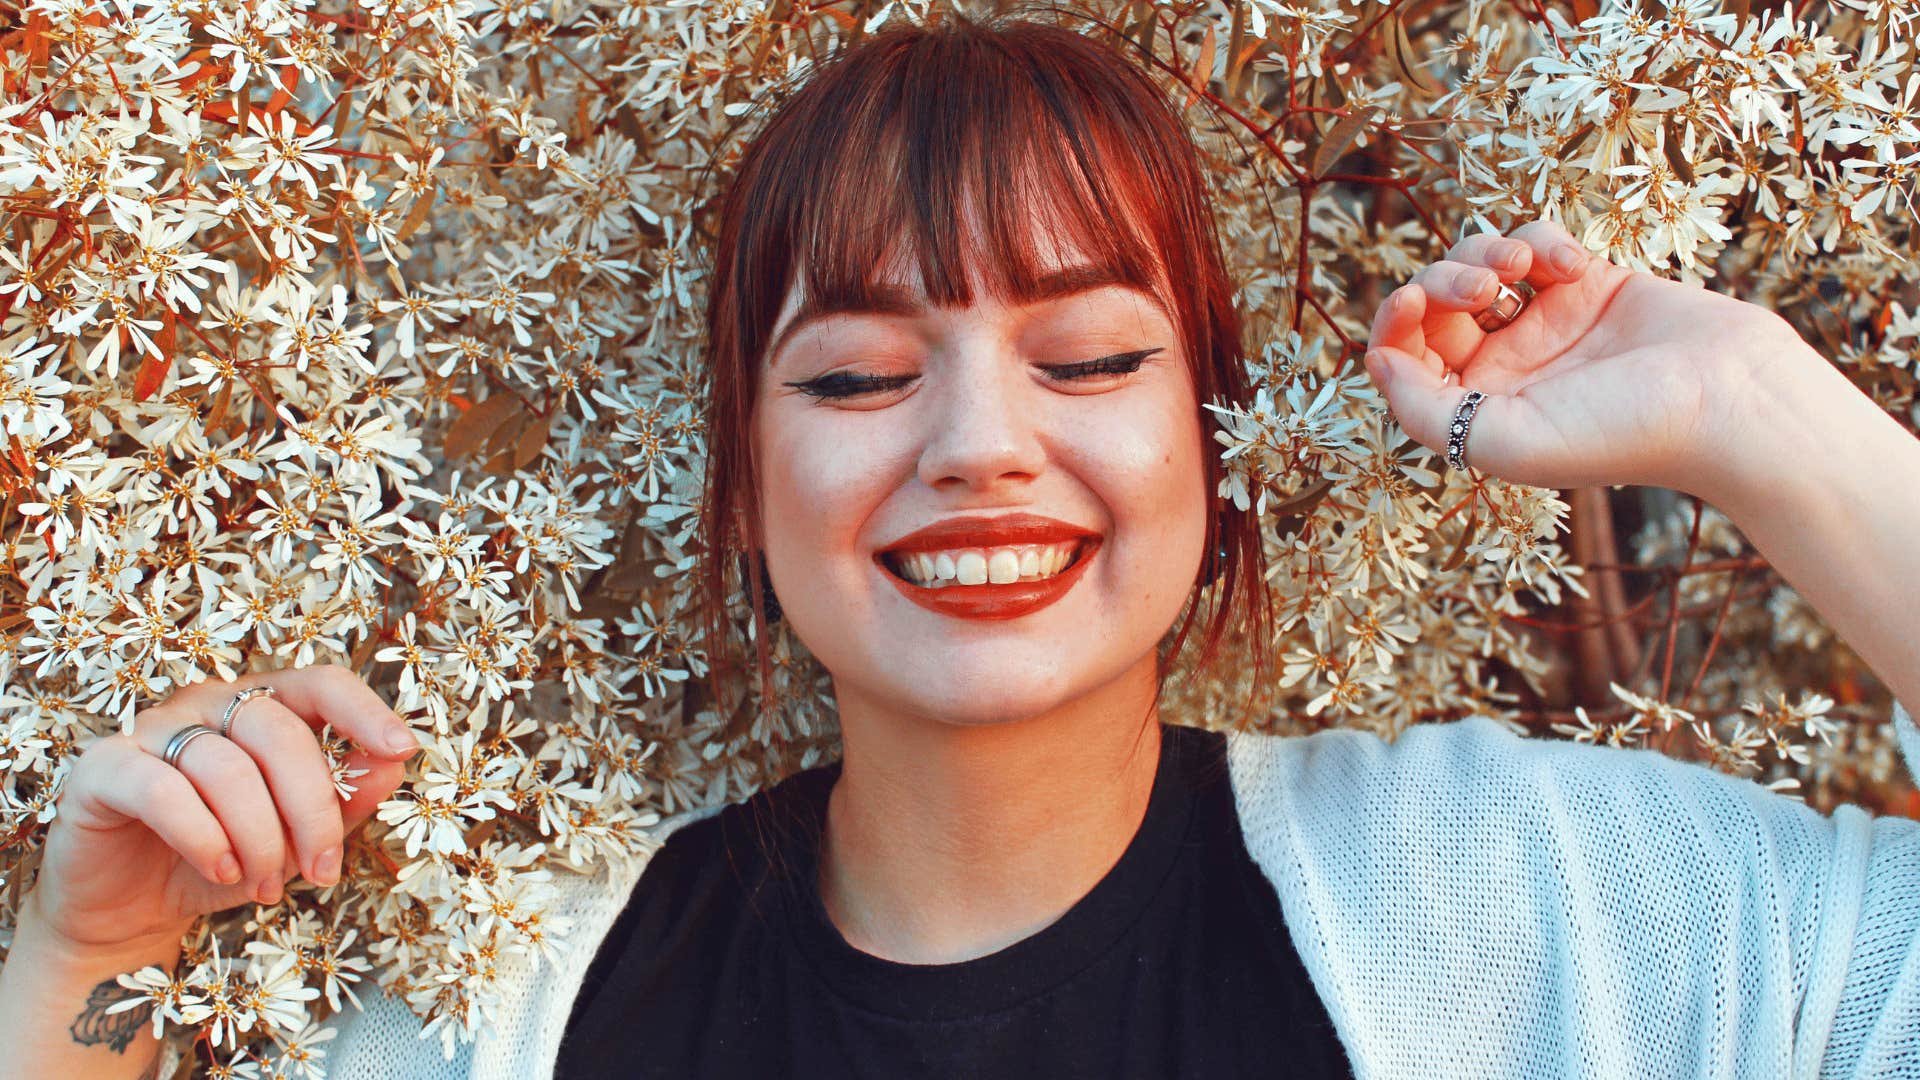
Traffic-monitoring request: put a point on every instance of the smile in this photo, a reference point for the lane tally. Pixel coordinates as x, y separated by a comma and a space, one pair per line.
989, 583
967, 566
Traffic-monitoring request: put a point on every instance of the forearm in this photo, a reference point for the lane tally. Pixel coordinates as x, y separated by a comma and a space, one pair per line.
1827, 486
53, 1002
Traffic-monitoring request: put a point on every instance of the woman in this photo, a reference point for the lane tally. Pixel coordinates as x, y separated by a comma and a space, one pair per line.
967, 303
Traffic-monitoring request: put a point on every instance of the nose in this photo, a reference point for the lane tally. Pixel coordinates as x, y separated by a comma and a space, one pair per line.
984, 427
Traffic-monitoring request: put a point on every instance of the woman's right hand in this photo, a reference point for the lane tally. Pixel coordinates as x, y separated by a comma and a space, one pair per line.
140, 848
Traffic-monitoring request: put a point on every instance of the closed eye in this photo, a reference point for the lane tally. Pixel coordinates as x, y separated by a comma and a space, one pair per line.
842, 384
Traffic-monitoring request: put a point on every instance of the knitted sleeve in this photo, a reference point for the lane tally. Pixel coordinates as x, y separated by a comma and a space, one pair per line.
1471, 902
1875, 1030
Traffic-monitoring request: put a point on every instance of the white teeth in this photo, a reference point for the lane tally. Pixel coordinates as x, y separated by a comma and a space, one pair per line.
981, 566
1003, 566
973, 568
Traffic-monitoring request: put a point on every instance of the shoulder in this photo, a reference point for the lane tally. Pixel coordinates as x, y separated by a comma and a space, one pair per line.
1583, 873
1472, 817
1468, 776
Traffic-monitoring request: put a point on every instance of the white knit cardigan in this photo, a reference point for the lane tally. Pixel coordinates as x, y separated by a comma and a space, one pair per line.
1473, 904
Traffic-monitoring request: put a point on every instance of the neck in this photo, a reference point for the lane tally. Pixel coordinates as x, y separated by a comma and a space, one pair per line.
945, 842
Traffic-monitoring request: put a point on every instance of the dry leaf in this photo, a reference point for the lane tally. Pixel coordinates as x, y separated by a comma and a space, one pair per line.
1331, 148
1408, 59
531, 440
1459, 553
1202, 69
480, 423
417, 216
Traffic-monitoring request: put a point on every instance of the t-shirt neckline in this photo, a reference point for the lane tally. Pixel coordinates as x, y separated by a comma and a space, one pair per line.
1026, 968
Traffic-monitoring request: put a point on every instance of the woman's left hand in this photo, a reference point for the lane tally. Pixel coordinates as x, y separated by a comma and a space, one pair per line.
1607, 377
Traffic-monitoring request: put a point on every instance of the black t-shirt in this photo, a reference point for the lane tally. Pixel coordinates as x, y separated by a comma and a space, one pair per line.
1176, 964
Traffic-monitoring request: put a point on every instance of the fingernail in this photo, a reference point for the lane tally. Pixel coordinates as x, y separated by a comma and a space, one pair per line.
1379, 368
401, 741
1567, 258
1470, 282
228, 872
326, 867
1505, 253
268, 892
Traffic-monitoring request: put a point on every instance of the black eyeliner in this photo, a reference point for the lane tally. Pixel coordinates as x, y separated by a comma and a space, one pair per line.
848, 384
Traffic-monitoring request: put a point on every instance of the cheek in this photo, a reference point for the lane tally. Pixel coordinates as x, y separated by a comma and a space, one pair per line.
818, 485
1147, 467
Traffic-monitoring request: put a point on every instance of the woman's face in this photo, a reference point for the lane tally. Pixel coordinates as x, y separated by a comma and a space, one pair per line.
954, 413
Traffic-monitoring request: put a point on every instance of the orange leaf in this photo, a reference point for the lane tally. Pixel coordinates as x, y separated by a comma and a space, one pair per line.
154, 366
1202, 68
478, 424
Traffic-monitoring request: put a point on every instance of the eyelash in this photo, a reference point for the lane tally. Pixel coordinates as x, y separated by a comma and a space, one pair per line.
840, 384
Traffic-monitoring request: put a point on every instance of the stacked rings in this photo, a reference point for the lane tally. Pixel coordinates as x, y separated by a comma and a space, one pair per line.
1457, 431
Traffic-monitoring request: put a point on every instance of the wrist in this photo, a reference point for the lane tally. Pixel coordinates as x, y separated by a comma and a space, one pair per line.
1792, 441
55, 994
54, 945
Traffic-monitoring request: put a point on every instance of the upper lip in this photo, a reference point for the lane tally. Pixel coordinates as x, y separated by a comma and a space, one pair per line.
979, 531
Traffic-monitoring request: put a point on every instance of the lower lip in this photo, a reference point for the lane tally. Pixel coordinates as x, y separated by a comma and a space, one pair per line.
1005, 601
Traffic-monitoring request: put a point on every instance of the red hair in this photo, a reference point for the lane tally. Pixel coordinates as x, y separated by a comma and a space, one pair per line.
894, 141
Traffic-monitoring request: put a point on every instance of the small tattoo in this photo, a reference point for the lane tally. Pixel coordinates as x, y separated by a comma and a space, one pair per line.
95, 1026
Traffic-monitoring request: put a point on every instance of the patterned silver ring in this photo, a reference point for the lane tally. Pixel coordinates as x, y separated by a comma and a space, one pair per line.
177, 745
239, 699
1508, 303
1457, 430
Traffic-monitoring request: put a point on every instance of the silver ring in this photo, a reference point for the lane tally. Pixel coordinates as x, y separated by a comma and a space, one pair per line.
1508, 303
1457, 430
239, 699
177, 745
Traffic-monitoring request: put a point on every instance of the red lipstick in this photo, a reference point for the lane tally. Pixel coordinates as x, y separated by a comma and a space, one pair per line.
1005, 601
978, 531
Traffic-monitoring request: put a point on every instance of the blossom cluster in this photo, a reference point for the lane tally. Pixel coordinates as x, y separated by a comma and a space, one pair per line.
368, 332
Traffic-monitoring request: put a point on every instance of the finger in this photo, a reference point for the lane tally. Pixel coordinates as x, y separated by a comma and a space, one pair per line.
1508, 257
1557, 257
1424, 408
286, 752
117, 782
231, 785
1397, 322
1456, 286
321, 694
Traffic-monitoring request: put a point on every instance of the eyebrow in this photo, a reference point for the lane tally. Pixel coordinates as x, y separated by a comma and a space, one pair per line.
887, 299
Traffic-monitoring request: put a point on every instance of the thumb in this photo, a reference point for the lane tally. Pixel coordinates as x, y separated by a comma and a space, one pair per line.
1424, 408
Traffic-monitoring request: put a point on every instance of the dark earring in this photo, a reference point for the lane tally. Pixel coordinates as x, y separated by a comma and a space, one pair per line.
769, 603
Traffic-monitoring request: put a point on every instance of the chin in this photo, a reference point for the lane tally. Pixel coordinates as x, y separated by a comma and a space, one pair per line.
990, 691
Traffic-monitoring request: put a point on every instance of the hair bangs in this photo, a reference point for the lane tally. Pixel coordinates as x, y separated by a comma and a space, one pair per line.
998, 188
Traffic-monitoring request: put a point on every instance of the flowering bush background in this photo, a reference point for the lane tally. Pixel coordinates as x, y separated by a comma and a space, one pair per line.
366, 332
